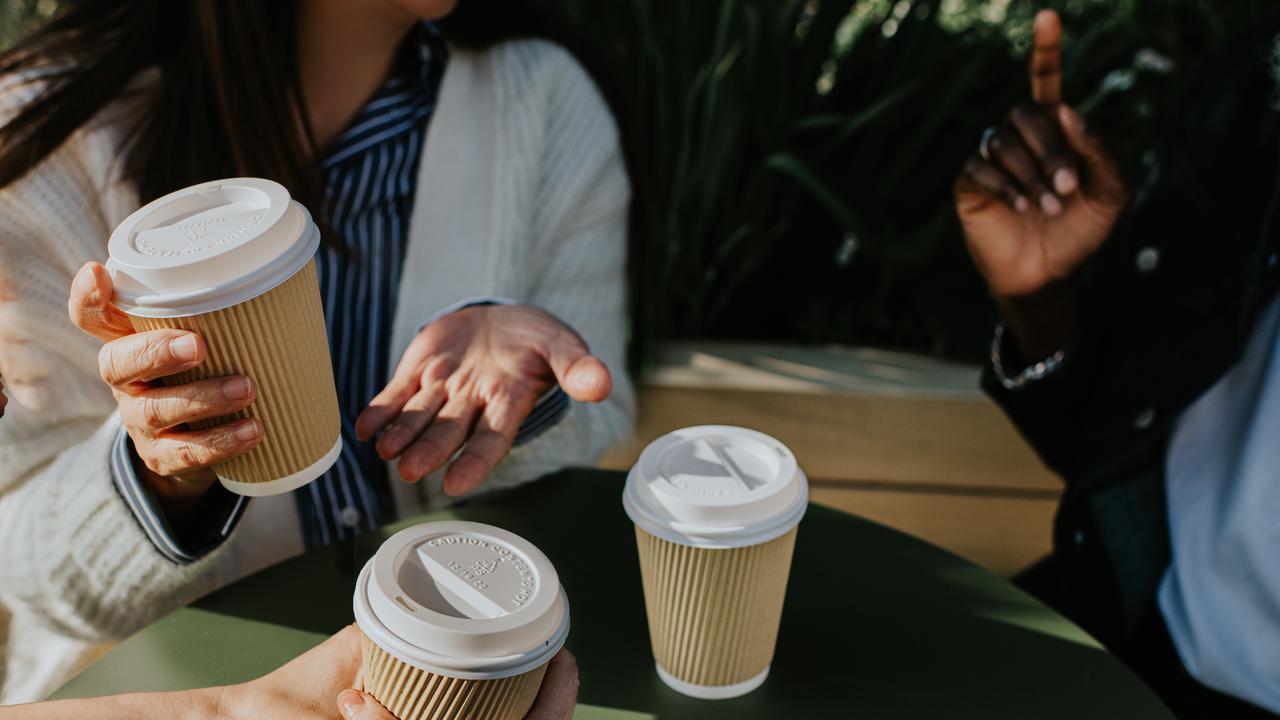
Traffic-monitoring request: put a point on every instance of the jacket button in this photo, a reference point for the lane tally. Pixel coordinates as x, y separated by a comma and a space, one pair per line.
1145, 419
1272, 259
1078, 537
1148, 258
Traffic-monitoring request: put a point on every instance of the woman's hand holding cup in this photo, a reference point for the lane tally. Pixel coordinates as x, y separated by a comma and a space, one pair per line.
176, 459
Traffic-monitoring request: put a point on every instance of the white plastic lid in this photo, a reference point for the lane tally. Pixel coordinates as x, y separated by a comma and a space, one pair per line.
208, 247
463, 599
716, 486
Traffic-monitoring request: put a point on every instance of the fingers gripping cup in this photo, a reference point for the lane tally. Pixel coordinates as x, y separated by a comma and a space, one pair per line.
232, 260
459, 621
716, 509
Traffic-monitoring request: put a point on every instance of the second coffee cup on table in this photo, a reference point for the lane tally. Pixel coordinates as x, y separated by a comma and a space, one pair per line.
232, 260
716, 509
459, 621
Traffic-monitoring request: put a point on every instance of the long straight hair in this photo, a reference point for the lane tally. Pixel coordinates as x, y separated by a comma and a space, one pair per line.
226, 99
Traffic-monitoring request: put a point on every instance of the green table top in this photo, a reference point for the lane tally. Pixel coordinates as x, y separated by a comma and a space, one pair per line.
876, 624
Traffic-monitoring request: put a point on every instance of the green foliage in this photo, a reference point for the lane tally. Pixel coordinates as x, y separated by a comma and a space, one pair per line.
19, 17
793, 159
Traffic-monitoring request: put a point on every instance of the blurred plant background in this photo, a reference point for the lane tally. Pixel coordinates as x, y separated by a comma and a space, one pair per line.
19, 17
793, 159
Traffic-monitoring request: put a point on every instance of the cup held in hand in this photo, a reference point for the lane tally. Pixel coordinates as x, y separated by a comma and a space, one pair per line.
233, 261
459, 621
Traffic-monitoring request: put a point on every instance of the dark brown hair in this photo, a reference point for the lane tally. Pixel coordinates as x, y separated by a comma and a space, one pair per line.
227, 99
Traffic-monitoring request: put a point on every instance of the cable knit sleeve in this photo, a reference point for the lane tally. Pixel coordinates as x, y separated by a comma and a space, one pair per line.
72, 557
578, 253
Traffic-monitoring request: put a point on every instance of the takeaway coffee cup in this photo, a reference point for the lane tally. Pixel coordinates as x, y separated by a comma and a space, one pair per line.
716, 509
459, 620
233, 261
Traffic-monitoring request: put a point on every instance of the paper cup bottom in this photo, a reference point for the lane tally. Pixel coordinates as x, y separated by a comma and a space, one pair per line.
714, 613
711, 692
411, 693
289, 483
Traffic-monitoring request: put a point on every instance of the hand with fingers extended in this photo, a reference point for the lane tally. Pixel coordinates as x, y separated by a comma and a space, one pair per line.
467, 381
556, 698
1036, 200
175, 459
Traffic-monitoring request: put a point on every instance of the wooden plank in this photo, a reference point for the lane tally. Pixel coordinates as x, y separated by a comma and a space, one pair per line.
1004, 534
965, 442
907, 441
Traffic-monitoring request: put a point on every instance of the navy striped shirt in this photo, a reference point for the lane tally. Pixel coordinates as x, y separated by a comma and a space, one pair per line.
369, 175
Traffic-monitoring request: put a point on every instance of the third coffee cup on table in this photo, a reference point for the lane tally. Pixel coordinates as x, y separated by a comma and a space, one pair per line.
232, 260
715, 509
459, 622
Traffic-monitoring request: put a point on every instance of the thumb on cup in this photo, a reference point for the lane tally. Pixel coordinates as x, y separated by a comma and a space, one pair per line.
90, 308
356, 705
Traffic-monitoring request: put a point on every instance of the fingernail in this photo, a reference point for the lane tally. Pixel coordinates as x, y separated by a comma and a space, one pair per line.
369, 422
1050, 204
83, 281
237, 388
350, 702
1072, 118
247, 430
1064, 181
1021, 204
407, 473
392, 435
184, 348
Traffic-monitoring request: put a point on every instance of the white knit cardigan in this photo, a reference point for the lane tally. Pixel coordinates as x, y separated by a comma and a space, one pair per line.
521, 194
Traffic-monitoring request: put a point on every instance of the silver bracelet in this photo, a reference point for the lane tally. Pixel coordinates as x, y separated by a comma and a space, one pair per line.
1030, 374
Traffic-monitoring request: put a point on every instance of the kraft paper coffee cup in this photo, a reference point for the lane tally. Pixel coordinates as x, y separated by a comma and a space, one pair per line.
232, 260
459, 621
716, 509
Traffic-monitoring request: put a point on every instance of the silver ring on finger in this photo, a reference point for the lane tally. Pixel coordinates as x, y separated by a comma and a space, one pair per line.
984, 145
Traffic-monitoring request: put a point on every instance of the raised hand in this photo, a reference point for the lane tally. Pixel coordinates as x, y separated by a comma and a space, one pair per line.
1038, 198
176, 459
467, 381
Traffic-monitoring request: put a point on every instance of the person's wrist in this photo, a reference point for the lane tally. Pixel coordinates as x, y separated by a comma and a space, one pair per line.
1039, 324
177, 497
198, 704
242, 701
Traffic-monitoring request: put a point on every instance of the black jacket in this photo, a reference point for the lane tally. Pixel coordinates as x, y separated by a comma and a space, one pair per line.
1168, 304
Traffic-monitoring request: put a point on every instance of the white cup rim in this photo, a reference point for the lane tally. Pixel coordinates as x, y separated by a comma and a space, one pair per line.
276, 248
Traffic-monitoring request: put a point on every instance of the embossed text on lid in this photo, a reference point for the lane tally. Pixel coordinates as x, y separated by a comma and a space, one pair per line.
463, 597
199, 233
468, 576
